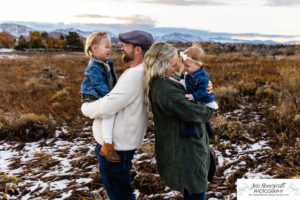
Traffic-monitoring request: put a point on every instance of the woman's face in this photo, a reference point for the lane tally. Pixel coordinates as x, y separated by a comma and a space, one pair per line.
173, 66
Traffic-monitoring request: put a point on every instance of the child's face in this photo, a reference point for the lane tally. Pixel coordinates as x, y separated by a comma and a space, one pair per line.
102, 49
190, 66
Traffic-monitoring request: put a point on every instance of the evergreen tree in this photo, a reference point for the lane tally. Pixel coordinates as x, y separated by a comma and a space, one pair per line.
44, 35
73, 41
22, 43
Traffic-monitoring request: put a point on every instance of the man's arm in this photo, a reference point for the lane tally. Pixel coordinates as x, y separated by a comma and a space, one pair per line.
120, 96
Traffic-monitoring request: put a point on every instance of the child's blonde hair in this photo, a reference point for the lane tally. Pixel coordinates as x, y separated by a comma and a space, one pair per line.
195, 52
93, 39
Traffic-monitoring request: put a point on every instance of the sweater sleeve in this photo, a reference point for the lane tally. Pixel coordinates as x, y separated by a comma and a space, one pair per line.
174, 102
120, 96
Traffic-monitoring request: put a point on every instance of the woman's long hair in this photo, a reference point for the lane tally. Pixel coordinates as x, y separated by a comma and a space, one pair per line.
156, 63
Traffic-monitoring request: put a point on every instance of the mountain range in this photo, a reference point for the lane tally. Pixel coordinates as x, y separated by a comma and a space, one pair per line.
166, 34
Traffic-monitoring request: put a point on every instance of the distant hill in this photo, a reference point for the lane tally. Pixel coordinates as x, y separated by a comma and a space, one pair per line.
165, 34
180, 37
15, 29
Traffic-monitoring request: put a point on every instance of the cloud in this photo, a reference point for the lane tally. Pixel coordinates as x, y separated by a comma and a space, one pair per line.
134, 19
192, 2
282, 2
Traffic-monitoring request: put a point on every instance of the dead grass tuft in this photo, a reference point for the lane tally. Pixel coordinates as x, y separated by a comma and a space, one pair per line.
28, 127
61, 95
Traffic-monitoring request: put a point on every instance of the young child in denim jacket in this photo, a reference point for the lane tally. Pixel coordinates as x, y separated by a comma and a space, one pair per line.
100, 78
195, 80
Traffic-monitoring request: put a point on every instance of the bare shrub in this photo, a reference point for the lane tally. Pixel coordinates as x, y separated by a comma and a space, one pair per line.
28, 127
8, 184
226, 97
33, 86
247, 87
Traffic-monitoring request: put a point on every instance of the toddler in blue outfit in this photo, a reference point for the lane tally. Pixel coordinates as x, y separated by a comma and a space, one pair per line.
196, 80
99, 79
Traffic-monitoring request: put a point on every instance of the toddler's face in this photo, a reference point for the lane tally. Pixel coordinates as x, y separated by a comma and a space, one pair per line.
190, 66
102, 49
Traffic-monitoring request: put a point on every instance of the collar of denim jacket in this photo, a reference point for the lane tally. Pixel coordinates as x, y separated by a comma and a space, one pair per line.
198, 72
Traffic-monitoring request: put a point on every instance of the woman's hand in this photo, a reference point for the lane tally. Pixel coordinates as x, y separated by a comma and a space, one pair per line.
209, 87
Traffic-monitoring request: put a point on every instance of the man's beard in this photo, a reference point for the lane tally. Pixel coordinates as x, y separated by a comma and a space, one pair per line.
127, 57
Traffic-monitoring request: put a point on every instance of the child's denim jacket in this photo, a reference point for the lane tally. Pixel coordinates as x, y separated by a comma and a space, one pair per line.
96, 78
196, 85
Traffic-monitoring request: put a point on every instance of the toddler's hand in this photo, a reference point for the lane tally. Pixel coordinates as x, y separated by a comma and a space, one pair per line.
189, 97
209, 87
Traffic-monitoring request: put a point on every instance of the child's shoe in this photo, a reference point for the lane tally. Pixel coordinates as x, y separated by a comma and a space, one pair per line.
108, 151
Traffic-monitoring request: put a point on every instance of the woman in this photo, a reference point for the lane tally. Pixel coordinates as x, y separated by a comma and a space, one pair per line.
183, 162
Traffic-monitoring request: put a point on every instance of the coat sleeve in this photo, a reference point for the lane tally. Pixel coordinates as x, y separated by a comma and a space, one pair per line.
175, 103
200, 94
120, 96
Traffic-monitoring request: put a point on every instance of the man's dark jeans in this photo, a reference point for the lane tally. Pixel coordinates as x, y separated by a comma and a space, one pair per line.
116, 177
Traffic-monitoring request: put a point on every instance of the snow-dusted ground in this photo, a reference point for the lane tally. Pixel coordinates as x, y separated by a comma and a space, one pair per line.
62, 167
10, 56
48, 165
5, 50
13, 54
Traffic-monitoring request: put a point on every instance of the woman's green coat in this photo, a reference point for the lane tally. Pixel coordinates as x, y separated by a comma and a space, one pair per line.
183, 162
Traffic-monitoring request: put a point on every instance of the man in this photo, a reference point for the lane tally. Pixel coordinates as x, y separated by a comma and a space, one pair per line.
126, 100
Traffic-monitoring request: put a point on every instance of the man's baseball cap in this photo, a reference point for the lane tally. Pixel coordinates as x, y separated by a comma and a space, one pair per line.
137, 37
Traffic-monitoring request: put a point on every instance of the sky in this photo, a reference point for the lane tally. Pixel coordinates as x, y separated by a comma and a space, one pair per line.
231, 16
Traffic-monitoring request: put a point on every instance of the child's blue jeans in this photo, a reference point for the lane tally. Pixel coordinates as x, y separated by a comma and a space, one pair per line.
190, 129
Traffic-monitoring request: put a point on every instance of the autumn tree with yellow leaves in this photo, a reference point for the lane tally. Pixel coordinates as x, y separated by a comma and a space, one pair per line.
6, 40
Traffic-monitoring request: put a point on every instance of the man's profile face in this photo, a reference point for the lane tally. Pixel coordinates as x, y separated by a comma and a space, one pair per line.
128, 52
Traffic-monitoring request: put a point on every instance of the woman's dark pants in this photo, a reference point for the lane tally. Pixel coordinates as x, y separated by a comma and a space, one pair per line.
116, 177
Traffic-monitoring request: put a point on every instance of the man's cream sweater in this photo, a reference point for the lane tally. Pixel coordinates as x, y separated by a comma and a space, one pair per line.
126, 100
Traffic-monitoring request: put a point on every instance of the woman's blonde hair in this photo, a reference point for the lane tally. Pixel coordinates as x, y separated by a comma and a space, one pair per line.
156, 63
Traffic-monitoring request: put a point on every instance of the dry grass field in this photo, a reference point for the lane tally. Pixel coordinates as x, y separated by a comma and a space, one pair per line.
46, 144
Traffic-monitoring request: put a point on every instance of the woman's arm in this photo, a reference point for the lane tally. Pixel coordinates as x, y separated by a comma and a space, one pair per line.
172, 100
187, 110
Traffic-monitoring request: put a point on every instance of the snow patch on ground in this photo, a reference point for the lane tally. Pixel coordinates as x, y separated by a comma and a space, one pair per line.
6, 50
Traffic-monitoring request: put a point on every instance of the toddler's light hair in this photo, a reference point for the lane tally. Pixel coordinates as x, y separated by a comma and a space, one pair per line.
195, 52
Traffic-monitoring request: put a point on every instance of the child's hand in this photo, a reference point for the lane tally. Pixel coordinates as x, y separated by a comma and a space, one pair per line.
209, 87
189, 97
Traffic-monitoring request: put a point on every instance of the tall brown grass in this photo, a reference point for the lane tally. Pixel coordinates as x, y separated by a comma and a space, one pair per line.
49, 84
